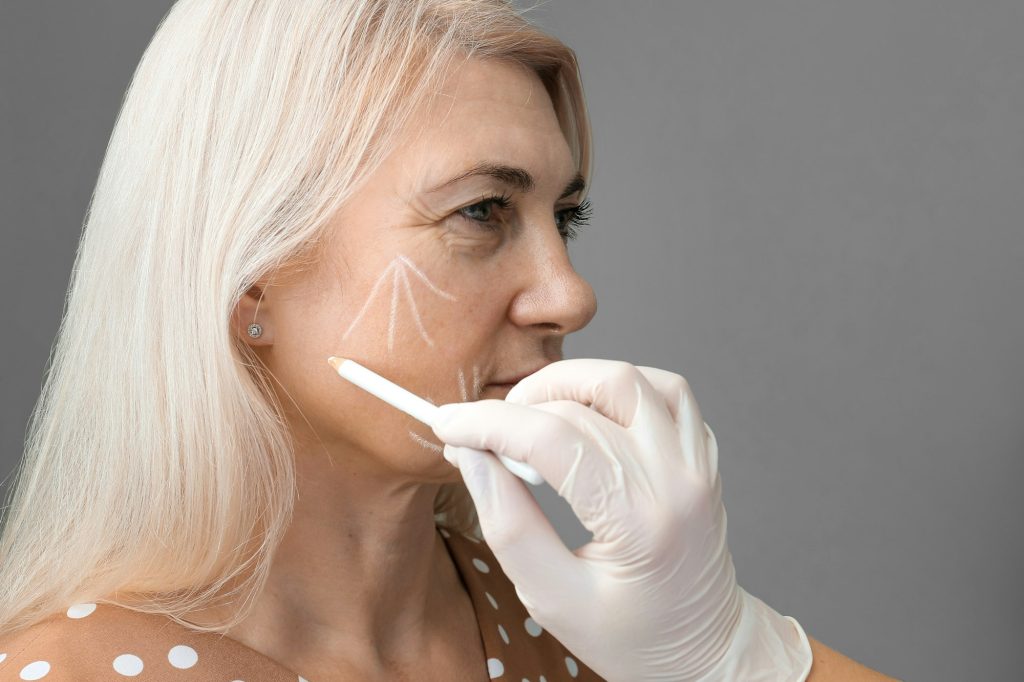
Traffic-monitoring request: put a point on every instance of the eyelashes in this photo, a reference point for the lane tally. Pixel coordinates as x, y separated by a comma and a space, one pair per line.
572, 218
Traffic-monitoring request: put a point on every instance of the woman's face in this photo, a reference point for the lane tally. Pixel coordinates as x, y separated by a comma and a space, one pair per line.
428, 282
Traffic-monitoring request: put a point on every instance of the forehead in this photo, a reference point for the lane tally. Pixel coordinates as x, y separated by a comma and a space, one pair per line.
477, 86
487, 109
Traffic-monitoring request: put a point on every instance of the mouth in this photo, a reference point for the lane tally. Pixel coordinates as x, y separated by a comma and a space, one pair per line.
507, 384
499, 387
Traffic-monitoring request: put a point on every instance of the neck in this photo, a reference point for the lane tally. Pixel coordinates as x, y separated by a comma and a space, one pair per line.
362, 571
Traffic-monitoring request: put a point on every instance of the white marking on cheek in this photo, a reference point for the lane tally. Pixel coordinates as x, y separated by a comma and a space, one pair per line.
426, 280
394, 311
477, 389
397, 269
415, 311
462, 386
424, 442
369, 299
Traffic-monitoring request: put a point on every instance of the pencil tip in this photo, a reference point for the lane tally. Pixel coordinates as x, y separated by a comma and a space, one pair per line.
335, 361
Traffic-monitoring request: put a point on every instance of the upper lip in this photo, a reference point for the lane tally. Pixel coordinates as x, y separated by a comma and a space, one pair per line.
519, 377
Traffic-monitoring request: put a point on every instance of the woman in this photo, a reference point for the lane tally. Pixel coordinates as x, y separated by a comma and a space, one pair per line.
391, 181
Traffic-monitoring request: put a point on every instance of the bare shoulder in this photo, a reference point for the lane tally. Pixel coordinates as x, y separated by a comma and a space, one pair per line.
82, 643
103, 641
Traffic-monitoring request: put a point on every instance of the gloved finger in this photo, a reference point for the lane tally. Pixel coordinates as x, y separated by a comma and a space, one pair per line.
597, 479
614, 388
618, 391
504, 505
712, 452
681, 404
537, 435
670, 385
522, 539
590, 479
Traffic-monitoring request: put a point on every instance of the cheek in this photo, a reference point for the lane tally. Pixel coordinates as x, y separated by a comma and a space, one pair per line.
399, 311
427, 325
418, 308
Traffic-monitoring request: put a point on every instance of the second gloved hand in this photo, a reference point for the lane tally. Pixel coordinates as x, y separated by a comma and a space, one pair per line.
654, 595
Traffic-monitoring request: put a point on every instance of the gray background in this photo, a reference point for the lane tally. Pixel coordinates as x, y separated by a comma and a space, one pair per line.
812, 210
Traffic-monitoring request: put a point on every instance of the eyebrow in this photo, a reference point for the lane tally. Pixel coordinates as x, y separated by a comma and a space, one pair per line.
513, 176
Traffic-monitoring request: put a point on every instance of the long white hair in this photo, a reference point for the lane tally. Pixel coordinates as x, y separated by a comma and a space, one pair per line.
158, 467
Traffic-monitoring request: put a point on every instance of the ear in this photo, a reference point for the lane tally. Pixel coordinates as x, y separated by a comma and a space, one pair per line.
253, 307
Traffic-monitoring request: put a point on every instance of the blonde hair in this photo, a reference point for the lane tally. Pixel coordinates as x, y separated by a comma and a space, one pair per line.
158, 467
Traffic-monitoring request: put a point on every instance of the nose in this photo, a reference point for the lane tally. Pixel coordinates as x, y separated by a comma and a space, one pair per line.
556, 297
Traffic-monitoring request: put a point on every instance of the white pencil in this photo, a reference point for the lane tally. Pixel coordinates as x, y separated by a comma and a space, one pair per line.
413, 405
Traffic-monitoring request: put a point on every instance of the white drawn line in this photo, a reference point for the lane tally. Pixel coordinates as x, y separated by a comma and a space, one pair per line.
396, 268
425, 279
462, 386
369, 299
425, 443
415, 312
394, 311
476, 383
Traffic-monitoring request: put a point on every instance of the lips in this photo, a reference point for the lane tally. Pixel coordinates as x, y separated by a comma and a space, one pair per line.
518, 377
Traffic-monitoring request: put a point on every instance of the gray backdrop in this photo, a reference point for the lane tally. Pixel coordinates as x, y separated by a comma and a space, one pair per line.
812, 210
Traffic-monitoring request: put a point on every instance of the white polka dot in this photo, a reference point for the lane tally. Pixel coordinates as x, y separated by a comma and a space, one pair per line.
570, 663
3, 657
495, 668
525, 679
302, 679
81, 610
481, 566
128, 665
532, 627
182, 656
35, 670
491, 599
542, 679
445, 533
471, 538
504, 635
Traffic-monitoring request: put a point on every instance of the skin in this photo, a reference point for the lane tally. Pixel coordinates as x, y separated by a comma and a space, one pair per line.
365, 507
831, 666
486, 299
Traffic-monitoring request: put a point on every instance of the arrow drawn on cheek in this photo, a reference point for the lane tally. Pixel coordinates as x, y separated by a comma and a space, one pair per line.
397, 270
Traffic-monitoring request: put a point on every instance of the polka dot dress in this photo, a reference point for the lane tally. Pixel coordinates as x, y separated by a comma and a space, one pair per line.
517, 648
104, 642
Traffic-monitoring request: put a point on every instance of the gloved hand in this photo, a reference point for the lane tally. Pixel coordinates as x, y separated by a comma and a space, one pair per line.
654, 595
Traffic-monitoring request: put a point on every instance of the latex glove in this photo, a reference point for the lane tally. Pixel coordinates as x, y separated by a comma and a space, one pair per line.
654, 595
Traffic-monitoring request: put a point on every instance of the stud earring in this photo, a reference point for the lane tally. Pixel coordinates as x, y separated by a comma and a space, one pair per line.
255, 331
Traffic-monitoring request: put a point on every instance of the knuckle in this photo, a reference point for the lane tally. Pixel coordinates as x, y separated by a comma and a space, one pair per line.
621, 376
622, 370
680, 384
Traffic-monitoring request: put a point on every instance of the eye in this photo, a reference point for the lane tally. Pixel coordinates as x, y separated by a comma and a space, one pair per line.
481, 212
575, 217
568, 220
